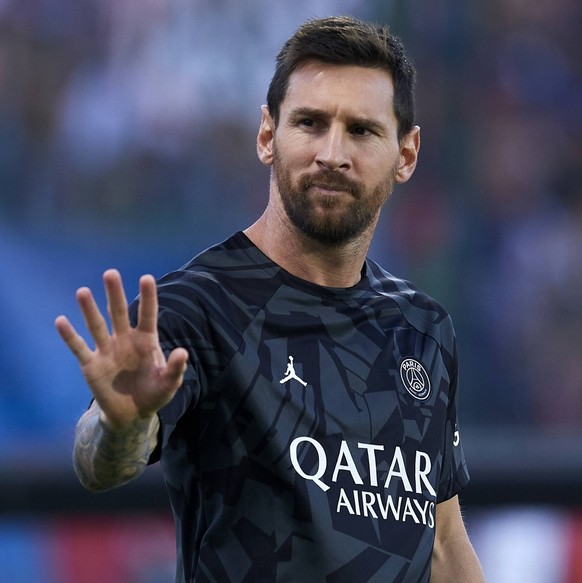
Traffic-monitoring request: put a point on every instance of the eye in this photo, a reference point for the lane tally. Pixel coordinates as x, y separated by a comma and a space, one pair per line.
311, 124
361, 131
307, 122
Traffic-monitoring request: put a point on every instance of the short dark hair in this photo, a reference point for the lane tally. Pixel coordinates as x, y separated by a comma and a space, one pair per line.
344, 40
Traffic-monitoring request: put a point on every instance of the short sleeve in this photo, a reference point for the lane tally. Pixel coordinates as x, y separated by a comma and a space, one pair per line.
454, 472
174, 331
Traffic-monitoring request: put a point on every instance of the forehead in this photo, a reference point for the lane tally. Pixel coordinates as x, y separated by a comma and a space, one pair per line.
361, 91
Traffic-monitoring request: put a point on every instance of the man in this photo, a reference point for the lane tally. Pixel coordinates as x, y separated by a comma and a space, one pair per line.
301, 400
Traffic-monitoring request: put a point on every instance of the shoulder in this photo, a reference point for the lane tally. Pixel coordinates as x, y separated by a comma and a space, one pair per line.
233, 258
228, 276
417, 307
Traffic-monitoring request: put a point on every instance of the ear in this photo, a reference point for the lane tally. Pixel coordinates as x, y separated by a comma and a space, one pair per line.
265, 137
409, 147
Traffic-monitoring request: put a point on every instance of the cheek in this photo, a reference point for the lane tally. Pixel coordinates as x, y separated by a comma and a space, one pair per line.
379, 165
294, 149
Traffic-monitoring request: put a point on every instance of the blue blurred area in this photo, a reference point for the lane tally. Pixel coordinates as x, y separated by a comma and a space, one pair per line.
127, 136
43, 392
24, 553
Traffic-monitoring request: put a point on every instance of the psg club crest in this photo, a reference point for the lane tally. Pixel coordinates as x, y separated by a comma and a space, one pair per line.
415, 378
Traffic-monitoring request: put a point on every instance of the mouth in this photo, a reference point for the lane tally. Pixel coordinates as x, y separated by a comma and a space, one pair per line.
330, 188
330, 185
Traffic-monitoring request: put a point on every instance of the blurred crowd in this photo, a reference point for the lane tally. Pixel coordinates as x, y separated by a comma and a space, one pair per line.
140, 116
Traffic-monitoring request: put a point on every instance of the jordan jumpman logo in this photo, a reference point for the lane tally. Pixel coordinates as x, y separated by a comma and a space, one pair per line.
291, 374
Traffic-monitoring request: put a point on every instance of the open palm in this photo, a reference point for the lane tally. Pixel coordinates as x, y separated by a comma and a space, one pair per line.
127, 370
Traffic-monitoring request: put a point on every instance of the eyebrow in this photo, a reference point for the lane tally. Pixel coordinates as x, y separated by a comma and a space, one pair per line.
368, 122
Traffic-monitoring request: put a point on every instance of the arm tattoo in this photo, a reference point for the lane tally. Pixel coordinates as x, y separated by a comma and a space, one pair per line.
104, 458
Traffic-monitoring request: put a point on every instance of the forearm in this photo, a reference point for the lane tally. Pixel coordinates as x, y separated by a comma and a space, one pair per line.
104, 458
456, 561
453, 557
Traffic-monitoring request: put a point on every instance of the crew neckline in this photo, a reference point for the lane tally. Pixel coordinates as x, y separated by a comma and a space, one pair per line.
357, 289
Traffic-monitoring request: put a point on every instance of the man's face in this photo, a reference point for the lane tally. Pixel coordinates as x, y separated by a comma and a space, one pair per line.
335, 150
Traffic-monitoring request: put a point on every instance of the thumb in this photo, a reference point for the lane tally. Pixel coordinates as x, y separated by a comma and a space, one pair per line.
176, 367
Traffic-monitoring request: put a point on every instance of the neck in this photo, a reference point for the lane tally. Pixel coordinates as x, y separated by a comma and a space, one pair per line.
307, 259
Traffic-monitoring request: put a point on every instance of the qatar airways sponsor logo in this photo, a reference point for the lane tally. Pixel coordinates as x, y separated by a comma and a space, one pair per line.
417, 504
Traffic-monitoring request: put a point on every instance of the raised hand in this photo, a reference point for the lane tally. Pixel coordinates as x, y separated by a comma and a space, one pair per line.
127, 370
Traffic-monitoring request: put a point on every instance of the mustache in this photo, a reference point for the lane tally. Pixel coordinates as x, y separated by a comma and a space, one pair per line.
331, 181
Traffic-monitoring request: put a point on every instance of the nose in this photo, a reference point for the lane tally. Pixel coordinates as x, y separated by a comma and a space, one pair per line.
332, 153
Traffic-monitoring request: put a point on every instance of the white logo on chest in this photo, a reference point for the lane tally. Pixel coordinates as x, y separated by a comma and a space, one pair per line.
291, 374
415, 379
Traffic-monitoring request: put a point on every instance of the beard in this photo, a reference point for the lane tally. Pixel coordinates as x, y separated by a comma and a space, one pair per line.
329, 219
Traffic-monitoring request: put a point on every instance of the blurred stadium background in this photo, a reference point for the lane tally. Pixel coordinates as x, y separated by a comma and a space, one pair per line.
127, 133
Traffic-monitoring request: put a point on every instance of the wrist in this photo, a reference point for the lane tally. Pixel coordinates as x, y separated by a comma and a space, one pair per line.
138, 424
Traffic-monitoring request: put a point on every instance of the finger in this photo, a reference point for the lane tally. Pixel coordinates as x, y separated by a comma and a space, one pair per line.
94, 320
116, 301
176, 368
147, 314
74, 341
